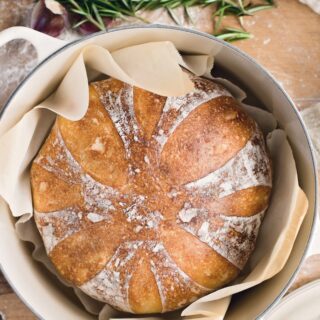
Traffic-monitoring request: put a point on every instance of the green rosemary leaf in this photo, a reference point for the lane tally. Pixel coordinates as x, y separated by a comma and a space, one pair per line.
241, 5
232, 34
188, 14
86, 5
241, 22
79, 12
232, 3
98, 17
173, 16
126, 4
220, 13
79, 23
255, 9
139, 5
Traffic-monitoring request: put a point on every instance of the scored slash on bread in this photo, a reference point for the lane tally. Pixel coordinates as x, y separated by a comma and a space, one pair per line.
148, 203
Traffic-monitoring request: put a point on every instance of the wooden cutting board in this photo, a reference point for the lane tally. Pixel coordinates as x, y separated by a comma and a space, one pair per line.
286, 41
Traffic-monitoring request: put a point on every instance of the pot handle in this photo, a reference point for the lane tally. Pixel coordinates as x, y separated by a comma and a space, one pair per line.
44, 44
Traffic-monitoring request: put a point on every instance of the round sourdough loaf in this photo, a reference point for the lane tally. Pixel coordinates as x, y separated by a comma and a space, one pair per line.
148, 203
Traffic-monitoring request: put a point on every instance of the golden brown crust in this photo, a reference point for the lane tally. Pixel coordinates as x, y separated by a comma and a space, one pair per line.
78, 259
87, 137
50, 192
148, 108
211, 270
208, 147
245, 202
145, 202
143, 291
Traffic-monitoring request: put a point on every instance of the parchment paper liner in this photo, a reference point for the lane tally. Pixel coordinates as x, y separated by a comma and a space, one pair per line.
155, 67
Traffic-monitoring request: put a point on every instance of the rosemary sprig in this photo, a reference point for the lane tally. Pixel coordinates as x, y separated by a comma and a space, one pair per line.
94, 11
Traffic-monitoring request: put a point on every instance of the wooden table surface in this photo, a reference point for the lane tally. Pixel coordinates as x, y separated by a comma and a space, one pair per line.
286, 41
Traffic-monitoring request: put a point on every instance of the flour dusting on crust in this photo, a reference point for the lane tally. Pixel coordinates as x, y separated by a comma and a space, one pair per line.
121, 111
171, 280
57, 225
231, 236
97, 195
62, 163
112, 283
249, 168
204, 91
187, 213
138, 213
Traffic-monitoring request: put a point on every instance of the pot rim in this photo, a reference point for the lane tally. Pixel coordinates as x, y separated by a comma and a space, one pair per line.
237, 51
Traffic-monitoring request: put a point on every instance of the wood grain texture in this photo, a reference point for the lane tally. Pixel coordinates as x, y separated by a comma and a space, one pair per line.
4, 286
11, 307
286, 42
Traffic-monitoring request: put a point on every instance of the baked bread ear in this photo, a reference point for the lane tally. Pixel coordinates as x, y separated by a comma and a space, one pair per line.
148, 203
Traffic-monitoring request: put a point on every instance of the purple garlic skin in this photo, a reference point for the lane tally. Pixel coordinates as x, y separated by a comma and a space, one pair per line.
49, 19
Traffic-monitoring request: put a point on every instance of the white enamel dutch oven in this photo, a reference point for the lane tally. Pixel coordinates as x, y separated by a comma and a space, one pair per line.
35, 286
